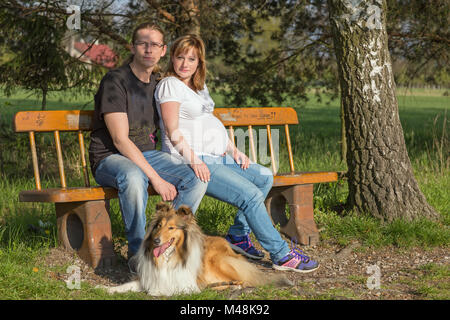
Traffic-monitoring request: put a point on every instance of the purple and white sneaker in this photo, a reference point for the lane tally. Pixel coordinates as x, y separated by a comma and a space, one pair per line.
244, 245
296, 261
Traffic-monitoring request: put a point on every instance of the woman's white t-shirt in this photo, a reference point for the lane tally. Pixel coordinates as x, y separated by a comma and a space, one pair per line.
204, 133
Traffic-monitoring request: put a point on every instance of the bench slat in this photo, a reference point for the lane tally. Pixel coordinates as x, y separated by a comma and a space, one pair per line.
59, 156
252, 144
288, 142
83, 159
272, 153
55, 195
68, 194
34, 158
101, 193
290, 179
49, 121
256, 116
74, 120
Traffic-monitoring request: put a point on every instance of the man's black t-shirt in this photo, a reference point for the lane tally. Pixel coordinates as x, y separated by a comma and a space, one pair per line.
121, 91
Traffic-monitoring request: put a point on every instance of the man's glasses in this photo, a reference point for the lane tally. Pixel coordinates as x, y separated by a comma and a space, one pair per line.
153, 45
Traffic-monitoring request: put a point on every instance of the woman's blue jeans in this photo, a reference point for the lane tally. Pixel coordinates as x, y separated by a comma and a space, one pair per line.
121, 173
247, 190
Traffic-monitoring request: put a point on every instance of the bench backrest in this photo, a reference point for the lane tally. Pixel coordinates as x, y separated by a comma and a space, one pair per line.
80, 120
249, 117
55, 121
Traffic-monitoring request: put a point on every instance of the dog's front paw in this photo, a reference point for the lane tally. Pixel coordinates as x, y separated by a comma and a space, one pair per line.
133, 286
99, 286
109, 290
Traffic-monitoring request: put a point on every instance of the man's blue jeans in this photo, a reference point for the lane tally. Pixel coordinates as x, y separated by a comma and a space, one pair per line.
121, 173
247, 190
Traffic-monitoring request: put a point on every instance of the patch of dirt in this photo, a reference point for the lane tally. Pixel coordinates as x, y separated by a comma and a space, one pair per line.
343, 272
350, 272
59, 258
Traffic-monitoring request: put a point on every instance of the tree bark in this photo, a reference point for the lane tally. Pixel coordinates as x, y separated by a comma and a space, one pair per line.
343, 138
380, 176
44, 99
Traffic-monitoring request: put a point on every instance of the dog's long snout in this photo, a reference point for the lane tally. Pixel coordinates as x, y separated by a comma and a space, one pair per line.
157, 241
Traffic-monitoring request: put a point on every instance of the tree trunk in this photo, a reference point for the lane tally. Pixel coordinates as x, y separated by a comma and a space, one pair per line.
380, 175
44, 98
343, 138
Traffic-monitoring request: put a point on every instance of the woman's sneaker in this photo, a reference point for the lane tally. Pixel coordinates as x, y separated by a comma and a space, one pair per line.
296, 261
244, 246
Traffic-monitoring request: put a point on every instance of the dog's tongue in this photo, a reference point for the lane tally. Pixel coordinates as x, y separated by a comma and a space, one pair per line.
160, 250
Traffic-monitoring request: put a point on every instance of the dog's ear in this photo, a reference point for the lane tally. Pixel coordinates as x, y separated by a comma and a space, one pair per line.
185, 212
162, 206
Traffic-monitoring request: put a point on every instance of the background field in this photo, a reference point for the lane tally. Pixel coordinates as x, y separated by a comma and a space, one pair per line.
23, 275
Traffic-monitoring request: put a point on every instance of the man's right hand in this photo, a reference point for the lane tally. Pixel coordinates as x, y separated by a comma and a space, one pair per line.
166, 190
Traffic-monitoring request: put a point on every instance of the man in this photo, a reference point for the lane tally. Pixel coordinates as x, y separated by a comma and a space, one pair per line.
122, 150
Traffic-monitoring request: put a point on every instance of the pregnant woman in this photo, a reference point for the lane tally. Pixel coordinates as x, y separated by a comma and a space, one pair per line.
191, 133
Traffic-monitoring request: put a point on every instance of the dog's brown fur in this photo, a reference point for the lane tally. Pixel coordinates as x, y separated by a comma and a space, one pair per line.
219, 262
177, 257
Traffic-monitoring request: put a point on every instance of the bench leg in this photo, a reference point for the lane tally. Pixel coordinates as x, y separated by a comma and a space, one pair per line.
300, 225
86, 228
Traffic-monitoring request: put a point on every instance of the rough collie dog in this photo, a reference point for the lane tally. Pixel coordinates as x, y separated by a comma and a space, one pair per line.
176, 257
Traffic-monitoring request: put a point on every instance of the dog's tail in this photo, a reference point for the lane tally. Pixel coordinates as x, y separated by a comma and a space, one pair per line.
250, 275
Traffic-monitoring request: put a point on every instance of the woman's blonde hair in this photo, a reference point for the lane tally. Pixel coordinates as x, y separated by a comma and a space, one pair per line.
182, 45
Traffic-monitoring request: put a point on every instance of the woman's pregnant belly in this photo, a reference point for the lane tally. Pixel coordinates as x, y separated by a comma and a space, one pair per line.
205, 134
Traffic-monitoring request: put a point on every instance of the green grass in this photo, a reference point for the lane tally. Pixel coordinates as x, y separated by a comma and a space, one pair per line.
372, 232
24, 276
315, 146
430, 281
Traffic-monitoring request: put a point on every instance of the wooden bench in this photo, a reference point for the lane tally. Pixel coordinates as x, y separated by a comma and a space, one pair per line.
83, 211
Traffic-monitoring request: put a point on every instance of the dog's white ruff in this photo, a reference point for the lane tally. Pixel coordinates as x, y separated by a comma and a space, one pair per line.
171, 277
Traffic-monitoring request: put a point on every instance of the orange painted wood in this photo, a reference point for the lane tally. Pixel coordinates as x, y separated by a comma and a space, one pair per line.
74, 120
252, 144
34, 159
56, 195
83, 159
48, 121
62, 175
272, 155
101, 193
231, 134
67, 194
288, 142
256, 116
79, 120
290, 179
